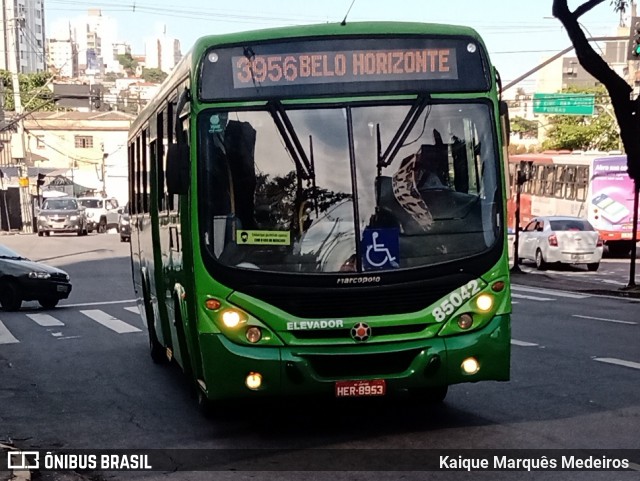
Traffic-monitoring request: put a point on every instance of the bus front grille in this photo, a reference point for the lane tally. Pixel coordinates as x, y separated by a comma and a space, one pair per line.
358, 365
338, 303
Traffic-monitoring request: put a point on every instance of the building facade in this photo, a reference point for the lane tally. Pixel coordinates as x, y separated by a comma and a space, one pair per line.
22, 35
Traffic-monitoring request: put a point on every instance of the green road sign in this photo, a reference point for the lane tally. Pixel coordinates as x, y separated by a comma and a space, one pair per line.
564, 104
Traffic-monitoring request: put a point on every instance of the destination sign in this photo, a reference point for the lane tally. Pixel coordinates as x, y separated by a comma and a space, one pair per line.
295, 68
344, 66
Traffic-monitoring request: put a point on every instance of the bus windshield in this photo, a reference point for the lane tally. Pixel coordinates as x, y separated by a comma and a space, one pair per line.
324, 190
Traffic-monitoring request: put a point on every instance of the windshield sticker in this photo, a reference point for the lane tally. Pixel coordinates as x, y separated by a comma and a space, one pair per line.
381, 249
263, 237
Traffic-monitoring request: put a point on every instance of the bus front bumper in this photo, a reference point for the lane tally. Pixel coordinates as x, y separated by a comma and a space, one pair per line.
294, 370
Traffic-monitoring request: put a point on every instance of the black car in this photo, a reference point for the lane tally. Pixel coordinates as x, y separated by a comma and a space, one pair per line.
25, 280
124, 226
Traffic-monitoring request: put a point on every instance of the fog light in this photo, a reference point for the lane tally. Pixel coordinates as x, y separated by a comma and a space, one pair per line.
254, 380
231, 318
465, 321
212, 304
470, 365
253, 334
484, 302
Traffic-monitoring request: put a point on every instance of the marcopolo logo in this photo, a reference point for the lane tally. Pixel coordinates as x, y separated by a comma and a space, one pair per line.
359, 280
23, 459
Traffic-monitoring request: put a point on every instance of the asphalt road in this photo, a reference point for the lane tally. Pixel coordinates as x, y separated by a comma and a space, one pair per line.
80, 376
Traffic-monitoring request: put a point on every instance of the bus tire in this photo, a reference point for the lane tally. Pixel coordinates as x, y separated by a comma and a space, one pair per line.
156, 350
541, 264
431, 395
206, 406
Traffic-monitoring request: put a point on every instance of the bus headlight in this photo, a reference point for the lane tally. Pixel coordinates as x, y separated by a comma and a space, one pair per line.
253, 381
470, 365
231, 318
484, 302
253, 334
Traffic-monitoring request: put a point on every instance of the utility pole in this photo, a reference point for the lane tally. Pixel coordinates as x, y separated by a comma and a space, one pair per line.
18, 144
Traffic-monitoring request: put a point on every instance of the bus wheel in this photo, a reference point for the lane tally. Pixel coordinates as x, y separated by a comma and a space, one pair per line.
540, 262
205, 405
431, 395
156, 350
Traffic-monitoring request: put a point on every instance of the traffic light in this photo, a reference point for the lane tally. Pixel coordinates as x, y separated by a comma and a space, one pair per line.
634, 39
41, 180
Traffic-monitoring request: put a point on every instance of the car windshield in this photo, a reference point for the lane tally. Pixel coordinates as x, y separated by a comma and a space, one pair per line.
570, 224
60, 204
355, 188
90, 203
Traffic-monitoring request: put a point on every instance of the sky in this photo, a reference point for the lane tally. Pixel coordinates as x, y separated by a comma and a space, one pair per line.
519, 34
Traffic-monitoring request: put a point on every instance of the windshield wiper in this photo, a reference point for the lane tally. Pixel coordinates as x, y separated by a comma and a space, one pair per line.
384, 160
291, 140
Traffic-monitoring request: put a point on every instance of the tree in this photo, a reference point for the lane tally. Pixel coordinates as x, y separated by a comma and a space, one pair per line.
34, 93
153, 75
581, 132
626, 109
526, 129
128, 62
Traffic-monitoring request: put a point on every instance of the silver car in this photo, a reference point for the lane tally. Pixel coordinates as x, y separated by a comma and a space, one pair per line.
560, 239
61, 215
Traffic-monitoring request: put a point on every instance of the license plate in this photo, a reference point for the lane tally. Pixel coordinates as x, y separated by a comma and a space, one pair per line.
62, 288
577, 257
373, 387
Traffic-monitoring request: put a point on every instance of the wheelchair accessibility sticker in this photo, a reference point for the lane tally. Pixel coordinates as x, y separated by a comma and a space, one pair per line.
380, 249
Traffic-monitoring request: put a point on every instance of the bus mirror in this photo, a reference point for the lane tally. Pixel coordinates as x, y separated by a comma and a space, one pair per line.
178, 168
504, 117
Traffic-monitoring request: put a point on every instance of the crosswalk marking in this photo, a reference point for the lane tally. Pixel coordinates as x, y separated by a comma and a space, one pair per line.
533, 298
618, 362
133, 309
549, 292
109, 321
617, 321
5, 336
45, 320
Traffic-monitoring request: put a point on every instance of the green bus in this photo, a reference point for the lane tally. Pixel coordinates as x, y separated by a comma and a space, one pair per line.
320, 210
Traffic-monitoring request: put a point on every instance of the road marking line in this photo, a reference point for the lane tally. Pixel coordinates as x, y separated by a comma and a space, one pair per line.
133, 309
45, 320
515, 342
533, 298
618, 362
109, 321
5, 336
68, 337
549, 292
102, 303
634, 466
605, 320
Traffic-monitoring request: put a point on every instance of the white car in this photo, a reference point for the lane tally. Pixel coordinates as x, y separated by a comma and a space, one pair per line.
560, 239
102, 213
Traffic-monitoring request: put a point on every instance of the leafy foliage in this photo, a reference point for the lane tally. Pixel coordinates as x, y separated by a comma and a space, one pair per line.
153, 75
577, 132
34, 93
127, 62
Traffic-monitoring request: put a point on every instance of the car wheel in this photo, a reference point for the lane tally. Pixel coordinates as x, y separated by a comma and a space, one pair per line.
541, 264
48, 303
40, 233
47, 233
593, 267
102, 226
10, 298
431, 395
